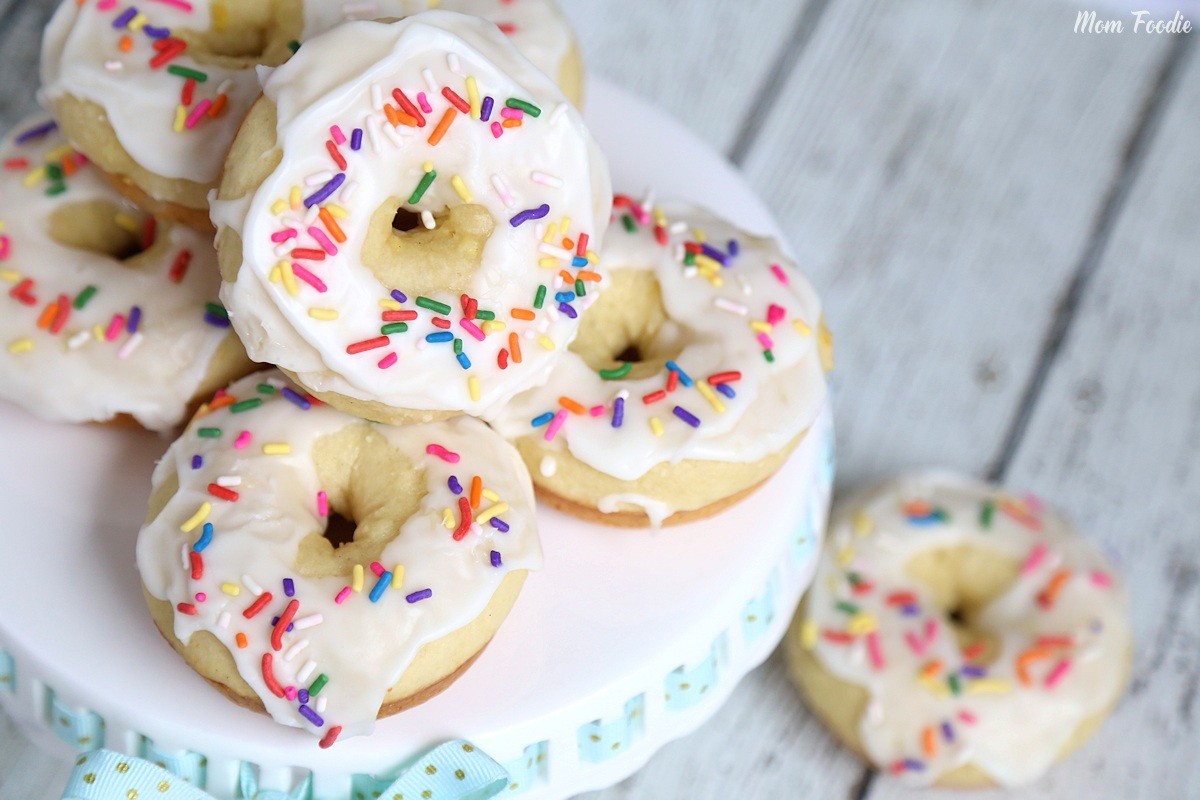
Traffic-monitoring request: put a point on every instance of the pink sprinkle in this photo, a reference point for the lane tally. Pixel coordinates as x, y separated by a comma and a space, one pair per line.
342, 595
322, 504
775, 314
1035, 503
1036, 557
597, 411
201, 597
765, 341
1058, 673
931, 630
471, 328
1101, 579
442, 453
115, 327
306, 276
106, 5
497, 130
968, 717
780, 274
388, 361
335, 133
323, 240
555, 424
378, 569
242, 441
423, 102
181, 4
512, 113
915, 643
193, 119
5, 244
875, 650
640, 213
283, 236
290, 692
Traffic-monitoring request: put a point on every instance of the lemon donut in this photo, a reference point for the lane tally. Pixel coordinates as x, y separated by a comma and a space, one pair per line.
154, 92
398, 259
694, 374
959, 636
110, 313
250, 576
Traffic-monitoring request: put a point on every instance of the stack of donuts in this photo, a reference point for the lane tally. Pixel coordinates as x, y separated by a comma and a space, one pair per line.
364, 261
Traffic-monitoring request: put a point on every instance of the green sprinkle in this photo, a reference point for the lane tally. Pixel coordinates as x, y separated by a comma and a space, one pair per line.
394, 327
955, 687
986, 514
216, 309
55, 189
318, 685
580, 289
433, 305
485, 315
186, 72
422, 187
84, 297
457, 346
617, 373
940, 515
54, 172
689, 260
209, 433
521, 105
540, 298
629, 223
246, 405
293, 45
769, 356
266, 388
846, 608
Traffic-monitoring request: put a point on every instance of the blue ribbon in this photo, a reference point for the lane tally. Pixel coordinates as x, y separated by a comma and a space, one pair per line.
456, 770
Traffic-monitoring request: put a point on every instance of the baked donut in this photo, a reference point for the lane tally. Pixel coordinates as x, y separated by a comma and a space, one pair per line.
959, 636
110, 312
252, 573
695, 373
154, 92
398, 259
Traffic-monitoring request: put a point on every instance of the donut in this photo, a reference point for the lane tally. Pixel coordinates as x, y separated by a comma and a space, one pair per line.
956, 635
111, 313
330, 570
154, 92
398, 214
695, 373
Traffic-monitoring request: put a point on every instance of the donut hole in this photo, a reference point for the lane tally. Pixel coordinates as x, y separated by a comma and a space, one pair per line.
246, 33
629, 324
101, 226
404, 254
964, 580
373, 489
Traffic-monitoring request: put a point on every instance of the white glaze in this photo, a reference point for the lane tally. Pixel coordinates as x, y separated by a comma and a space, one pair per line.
331, 81
1019, 729
362, 647
774, 403
81, 58
75, 376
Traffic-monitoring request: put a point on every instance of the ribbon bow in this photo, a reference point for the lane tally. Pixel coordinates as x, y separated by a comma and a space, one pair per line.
455, 770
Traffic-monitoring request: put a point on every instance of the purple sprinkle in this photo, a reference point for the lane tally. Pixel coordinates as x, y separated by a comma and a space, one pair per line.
910, 611
715, 254
124, 18
618, 412
528, 214
686, 416
275, 621
289, 587
947, 732
197, 461
485, 109
311, 715
454, 485
727, 390
215, 321
156, 33
322, 194
417, 597
399, 296
496, 558
295, 398
733, 248
37, 132
135, 318
499, 524
914, 765
356, 139
973, 672
568, 310
302, 695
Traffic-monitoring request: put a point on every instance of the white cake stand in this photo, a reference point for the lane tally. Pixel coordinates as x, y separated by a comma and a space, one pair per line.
624, 641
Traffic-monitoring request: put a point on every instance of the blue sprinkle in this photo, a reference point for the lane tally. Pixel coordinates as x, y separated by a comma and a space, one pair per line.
417, 597
463, 361
322, 194
356, 139
499, 524
454, 485
399, 296
296, 398
726, 389
439, 337
568, 310
496, 558
135, 319
565, 297
197, 461
683, 376
205, 539
618, 412
289, 587
385, 580
579, 261
485, 109
686, 416
542, 419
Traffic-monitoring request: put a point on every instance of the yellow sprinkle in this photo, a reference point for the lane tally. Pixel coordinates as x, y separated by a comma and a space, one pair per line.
231, 589
565, 226
656, 426
390, 304
705, 262
711, 397
716, 280
398, 576
492, 326
492, 511
326, 314
278, 207
660, 218
195, 520
276, 274
128, 223
276, 449
336, 211
10, 275
758, 326
180, 118
593, 257
845, 555
427, 166
461, 188
861, 624
808, 634
551, 233
802, 327
546, 342
220, 16
137, 23
548, 263
98, 332
862, 523
490, 495
473, 98
356, 581
23, 345
699, 235
988, 686
294, 198
473, 387
34, 177
289, 278
59, 153
448, 519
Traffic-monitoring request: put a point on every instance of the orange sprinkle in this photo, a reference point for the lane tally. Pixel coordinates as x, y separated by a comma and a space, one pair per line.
973, 651
522, 313
929, 742
126, 43
931, 670
918, 508
571, 405
70, 166
242, 641
331, 225
1026, 658
48, 315
588, 275
476, 491
221, 402
1054, 588
514, 346
511, 123
568, 243
218, 106
1055, 641
566, 276
443, 126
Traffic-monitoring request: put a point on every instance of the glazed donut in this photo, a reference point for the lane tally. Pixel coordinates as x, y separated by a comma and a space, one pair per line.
958, 636
694, 374
154, 93
246, 576
395, 212
111, 313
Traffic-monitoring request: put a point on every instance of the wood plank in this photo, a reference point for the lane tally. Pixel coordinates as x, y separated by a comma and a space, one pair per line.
21, 24
702, 62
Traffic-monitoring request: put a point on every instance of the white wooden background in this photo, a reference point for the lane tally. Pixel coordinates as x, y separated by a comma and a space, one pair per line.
1004, 219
